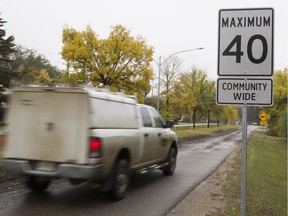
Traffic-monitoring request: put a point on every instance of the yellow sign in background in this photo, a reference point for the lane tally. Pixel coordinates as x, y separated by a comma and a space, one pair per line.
264, 117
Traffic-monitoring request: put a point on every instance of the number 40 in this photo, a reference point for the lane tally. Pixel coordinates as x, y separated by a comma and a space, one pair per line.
238, 53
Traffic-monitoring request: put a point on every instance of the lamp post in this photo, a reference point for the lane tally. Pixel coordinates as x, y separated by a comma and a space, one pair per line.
159, 64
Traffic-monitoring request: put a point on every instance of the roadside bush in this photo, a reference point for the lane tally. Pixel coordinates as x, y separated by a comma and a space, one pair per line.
281, 125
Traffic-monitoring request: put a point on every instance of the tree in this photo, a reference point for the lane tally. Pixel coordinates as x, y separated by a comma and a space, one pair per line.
217, 110
6, 49
32, 67
121, 62
210, 97
169, 74
278, 112
43, 77
151, 101
205, 93
198, 93
253, 114
229, 113
186, 94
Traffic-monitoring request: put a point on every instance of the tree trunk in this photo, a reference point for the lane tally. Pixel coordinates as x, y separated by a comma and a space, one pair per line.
208, 118
194, 118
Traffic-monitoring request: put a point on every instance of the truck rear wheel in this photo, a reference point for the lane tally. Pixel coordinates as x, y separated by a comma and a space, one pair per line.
37, 184
120, 181
170, 168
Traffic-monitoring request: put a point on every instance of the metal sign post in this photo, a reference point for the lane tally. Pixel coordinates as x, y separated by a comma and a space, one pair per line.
244, 160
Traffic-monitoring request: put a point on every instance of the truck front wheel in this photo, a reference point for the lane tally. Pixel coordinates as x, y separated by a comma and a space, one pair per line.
37, 184
120, 181
170, 168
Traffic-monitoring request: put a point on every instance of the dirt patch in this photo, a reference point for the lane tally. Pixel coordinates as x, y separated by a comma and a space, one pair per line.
208, 197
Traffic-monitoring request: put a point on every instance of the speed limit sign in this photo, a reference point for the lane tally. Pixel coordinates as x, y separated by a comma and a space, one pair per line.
245, 42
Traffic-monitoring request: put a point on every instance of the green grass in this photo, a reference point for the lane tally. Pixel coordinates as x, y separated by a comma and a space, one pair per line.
198, 132
266, 178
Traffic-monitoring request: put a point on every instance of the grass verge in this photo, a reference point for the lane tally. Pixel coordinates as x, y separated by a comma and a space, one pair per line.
266, 178
199, 132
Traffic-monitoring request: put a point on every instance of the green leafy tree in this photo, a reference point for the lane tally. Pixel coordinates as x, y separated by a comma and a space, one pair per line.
185, 94
32, 67
205, 94
151, 101
197, 94
217, 110
229, 114
253, 114
210, 100
278, 112
6, 73
121, 62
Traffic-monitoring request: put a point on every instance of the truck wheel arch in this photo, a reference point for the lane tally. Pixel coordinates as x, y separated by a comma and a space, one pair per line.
120, 175
174, 145
169, 169
123, 154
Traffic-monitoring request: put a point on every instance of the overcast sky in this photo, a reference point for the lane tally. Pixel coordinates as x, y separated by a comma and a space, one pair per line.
167, 25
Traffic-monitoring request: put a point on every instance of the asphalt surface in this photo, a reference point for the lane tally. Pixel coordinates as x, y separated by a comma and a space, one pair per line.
150, 194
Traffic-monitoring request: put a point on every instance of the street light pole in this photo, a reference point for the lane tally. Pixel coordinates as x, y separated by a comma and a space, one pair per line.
159, 70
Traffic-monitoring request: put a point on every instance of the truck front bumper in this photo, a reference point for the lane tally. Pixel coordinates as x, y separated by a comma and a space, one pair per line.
75, 171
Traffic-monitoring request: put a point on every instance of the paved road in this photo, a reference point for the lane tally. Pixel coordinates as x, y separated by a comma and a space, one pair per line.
150, 194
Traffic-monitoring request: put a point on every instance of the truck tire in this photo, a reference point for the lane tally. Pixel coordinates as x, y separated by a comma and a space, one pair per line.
37, 184
121, 179
170, 168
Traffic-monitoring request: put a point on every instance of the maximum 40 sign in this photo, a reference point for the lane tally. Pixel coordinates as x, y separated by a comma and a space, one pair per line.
245, 42
245, 48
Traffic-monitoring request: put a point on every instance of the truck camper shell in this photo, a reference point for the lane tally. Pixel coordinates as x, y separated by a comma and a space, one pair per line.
53, 123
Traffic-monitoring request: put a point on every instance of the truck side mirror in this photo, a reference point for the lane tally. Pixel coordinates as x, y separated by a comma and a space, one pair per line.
169, 124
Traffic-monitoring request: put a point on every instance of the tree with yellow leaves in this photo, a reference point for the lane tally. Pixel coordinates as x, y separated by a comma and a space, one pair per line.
120, 62
278, 112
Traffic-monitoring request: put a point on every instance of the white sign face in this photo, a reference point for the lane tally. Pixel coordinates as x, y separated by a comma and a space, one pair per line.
245, 42
240, 91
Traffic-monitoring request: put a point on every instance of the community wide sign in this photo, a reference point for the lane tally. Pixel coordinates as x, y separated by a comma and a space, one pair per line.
247, 91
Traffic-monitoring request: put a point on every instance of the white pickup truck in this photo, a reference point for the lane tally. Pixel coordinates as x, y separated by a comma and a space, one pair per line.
84, 134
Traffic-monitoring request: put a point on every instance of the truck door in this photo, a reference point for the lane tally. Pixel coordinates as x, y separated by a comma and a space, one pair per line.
161, 147
151, 136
